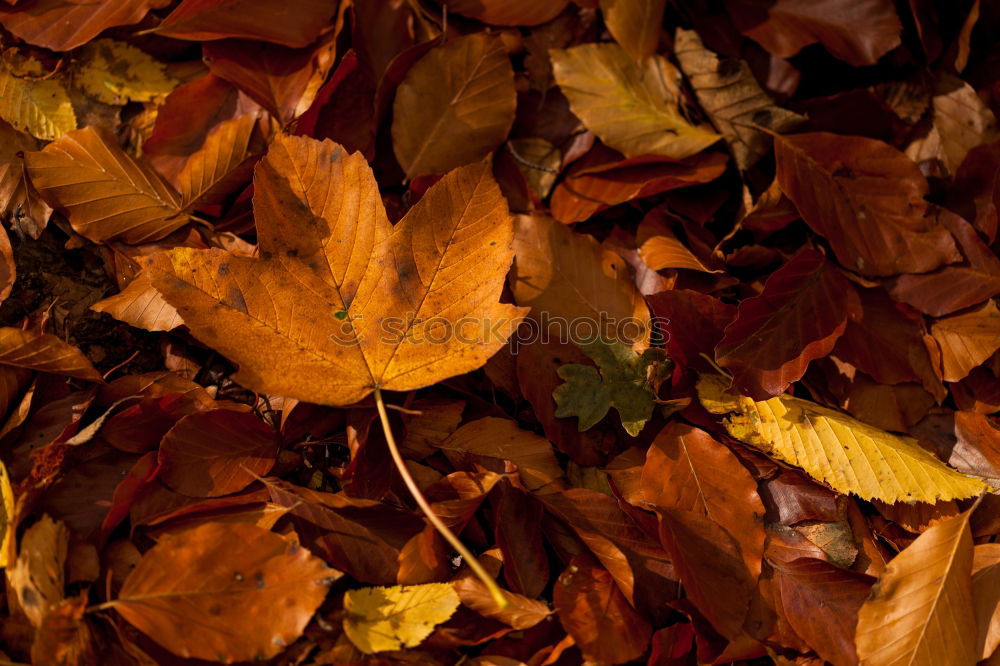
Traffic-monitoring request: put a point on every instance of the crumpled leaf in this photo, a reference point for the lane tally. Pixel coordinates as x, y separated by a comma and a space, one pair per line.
632, 109
39, 107
377, 619
381, 315
115, 72
38, 577
625, 380
734, 101
192, 588
846, 454
455, 105
920, 610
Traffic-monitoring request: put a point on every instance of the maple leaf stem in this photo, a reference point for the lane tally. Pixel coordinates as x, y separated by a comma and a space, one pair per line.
432, 518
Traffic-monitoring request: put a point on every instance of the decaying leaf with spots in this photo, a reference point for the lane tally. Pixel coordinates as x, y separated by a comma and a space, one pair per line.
193, 589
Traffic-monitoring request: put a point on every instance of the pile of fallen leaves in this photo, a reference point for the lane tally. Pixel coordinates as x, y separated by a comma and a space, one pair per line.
680, 317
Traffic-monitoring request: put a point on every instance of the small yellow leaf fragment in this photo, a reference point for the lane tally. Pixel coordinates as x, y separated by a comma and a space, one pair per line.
377, 619
115, 72
39, 107
6, 518
842, 452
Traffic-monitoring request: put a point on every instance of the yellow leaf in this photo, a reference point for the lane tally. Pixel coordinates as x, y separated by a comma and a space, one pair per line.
115, 72
377, 619
39, 107
6, 518
920, 612
846, 454
634, 110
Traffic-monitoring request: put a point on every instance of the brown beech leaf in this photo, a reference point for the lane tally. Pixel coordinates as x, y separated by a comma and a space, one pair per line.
219, 166
635, 25
43, 352
694, 323
711, 568
600, 180
886, 341
954, 287
398, 314
729, 93
572, 278
455, 105
966, 340
62, 25
191, 589
798, 318
920, 610
247, 19
867, 199
856, 31
215, 453
284, 81
596, 614
105, 193
687, 469
632, 108
986, 596
508, 12
821, 602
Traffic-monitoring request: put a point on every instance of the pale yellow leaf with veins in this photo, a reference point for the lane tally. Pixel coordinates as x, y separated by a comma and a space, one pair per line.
634, 110
39, 107
377, 619
846, 454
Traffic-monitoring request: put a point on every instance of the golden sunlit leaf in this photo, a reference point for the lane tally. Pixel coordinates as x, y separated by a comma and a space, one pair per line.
43, 352
337, 307
846, 454
377, 619
632, 109
39, 107
115, 73
140, 305
105, 193
920, 611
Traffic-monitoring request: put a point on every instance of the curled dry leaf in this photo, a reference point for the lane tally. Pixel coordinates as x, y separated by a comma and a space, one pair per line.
180, 596
62, 25
924, 601
377, 619
139, 304
846, 454
635, 25
105, 193
454, 107
737, 106
38, 577
633, 109
247, 19
43, 352
966, 340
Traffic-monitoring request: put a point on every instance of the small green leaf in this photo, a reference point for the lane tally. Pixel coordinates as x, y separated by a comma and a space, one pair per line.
626, 381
